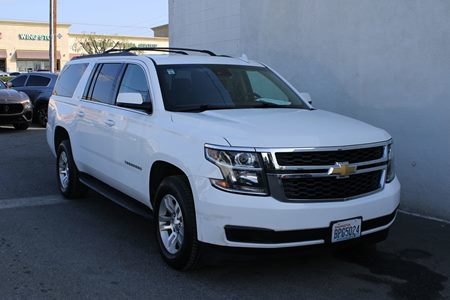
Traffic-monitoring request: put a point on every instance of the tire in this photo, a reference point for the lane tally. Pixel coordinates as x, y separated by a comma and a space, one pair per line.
41, 115
21, 126
187, 255
69, 185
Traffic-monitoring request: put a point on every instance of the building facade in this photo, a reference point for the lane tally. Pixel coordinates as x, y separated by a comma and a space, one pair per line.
24, 46
384, 62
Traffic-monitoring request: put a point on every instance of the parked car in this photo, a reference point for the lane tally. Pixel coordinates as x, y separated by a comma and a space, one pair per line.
220, 151
38, 86
15, 108
14, 74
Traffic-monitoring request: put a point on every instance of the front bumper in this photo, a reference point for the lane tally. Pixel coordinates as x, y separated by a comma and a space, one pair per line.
235, 220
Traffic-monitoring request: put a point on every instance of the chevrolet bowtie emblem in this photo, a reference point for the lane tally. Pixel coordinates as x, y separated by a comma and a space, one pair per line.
342, 169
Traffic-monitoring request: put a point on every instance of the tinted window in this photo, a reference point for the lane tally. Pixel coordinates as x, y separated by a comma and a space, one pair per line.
202, 87
68, 80
106, 83
2, 85
38, 81
19, 81
135, 81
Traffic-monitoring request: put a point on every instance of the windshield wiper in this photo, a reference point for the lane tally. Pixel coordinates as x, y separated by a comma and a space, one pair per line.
205, 107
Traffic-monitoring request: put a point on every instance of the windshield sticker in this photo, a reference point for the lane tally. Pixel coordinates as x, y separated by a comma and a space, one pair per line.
171, 71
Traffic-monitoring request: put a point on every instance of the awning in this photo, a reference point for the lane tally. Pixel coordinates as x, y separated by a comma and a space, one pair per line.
3, 53
35, 54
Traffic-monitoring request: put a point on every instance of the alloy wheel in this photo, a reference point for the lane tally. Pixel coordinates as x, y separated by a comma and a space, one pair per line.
171, 225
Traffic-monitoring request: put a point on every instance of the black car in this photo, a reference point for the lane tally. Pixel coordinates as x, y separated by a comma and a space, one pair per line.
39, 87
15, 108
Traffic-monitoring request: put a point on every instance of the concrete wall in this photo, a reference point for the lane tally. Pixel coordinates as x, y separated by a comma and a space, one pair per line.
206, 24
384, 62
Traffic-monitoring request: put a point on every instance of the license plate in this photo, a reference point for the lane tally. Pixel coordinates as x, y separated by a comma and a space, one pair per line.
346, 230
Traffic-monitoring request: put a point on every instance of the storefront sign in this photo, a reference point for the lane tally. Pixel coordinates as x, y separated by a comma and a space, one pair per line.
34, 37
147, 45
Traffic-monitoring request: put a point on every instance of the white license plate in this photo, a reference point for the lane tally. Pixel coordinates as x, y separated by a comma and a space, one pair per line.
346, 230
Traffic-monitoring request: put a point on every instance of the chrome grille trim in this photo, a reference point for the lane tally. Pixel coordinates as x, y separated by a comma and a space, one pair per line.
270, 160
276, 173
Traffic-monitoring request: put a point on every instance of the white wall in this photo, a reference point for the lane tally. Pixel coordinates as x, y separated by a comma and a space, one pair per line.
384, 62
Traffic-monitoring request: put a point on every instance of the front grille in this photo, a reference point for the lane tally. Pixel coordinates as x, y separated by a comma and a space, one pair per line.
323, 158
9, 109
329, 187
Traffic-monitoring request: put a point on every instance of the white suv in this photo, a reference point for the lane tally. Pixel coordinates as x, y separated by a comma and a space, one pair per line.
220, 151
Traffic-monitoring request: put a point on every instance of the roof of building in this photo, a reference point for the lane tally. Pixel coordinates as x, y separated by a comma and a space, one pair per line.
115, 36
25, 22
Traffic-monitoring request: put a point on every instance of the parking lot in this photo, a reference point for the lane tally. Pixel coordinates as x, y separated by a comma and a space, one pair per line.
55, 248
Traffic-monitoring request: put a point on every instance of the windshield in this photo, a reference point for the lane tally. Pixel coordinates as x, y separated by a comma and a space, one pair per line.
203, 87
2, 85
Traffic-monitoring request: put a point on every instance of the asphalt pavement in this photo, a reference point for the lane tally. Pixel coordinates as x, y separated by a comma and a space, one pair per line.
52, 248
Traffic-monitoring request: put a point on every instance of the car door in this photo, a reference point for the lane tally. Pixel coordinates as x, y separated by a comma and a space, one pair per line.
94, 125
35, 85
132, 126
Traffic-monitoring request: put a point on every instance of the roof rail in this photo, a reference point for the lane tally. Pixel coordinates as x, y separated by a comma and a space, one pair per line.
164, 49
122, 52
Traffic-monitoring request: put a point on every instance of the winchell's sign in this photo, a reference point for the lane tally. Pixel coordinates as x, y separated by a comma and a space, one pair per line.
34, 37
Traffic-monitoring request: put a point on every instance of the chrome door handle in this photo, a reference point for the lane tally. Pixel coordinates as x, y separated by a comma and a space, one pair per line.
110, 122
80, 113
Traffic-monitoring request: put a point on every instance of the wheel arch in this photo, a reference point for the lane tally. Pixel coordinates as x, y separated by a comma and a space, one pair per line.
162, 169
60, 135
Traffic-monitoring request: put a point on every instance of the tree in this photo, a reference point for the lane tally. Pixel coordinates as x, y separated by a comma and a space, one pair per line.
94, 44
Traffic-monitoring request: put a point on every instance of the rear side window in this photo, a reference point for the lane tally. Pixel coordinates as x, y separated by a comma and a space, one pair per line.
19, 81
69, 79
35, 80
106, 83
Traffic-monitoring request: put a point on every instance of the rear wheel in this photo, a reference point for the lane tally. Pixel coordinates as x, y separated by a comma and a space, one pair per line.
67, 173
41, 115
175, 224
21, 126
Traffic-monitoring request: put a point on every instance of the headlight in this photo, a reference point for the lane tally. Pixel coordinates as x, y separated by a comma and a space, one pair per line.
242, 171
390, 174
27, 104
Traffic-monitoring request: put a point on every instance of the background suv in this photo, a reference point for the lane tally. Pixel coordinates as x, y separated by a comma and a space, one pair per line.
218, 150
15, 108
39, 87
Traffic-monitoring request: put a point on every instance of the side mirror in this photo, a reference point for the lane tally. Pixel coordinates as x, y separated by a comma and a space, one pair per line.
133, 101
9, 84
306, 97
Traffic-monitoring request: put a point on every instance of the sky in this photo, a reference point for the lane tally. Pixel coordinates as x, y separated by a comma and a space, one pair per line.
129, 17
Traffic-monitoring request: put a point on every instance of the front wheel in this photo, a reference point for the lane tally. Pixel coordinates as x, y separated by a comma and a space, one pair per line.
67, 173
175, 224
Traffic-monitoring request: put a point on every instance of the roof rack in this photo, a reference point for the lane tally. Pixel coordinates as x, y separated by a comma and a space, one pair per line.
164, 49
122, 52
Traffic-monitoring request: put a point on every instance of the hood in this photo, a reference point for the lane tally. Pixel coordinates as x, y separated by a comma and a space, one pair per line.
12, 96
280, 127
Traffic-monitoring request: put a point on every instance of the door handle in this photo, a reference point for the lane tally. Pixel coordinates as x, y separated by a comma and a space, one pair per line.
110, 122
80, 113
